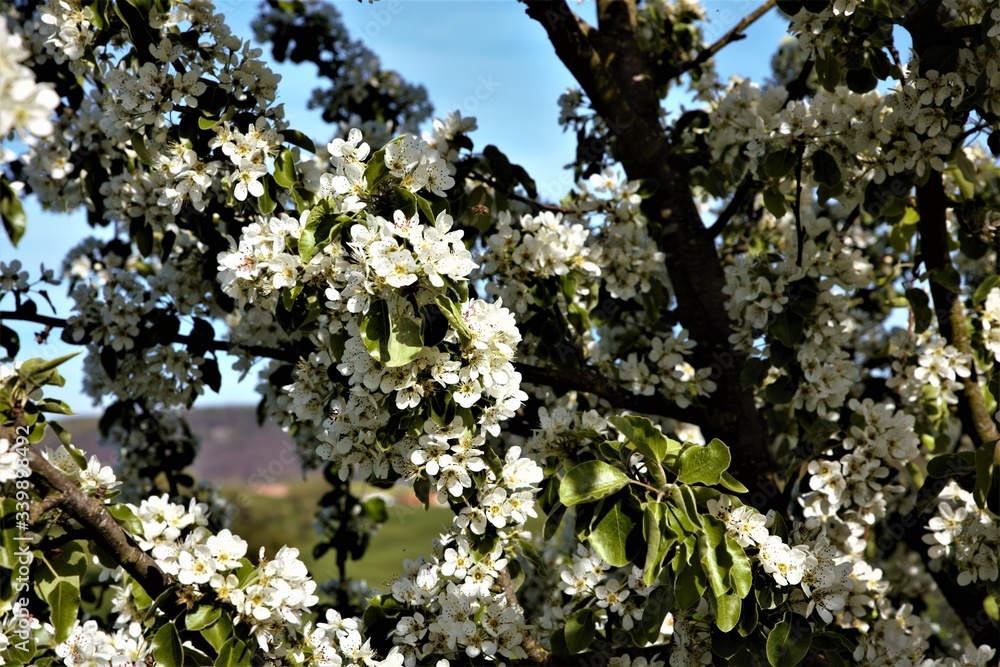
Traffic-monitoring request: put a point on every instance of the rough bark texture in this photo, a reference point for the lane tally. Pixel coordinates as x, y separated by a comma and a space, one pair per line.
619, 80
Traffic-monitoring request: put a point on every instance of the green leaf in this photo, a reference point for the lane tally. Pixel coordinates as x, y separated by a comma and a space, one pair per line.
920, 303
640, 431
658, 604
703, 465
265, 204
234, 653
861, 80
374, 327
70, 562
219, 633
780, 391
296, 138
656, 547
985, 288
825, 169
202, 617
984, 473
63, 599
284, 169
36, 369
993, 141
948, 277
727, 611
8, 530
307, 245
778, 163
789, 641
788, 327
949, 465
552, 522
375, 170
610, 534
14, 219
499, 165
167, 647
712, 535
207, 123
774, 202
739, 574
404, 343
139, 146
580, 630
9, 340
590, 481
733, 484
453, 313
405, 201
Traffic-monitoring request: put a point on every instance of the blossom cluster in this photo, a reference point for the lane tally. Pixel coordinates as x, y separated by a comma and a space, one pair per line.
854, 487
93, 479
537, 247
587, 575
28, 105
664, 369
387, 269
247, 151
964, 536
271, 601
452, 609
936, 375
991, 322
759, 292
631, 263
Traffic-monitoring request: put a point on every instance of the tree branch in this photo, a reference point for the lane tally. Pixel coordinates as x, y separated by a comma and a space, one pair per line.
536, 652
738, 200
288, 355
616, 75
932, 205
101, 527
537, 205
592, 381
733, 35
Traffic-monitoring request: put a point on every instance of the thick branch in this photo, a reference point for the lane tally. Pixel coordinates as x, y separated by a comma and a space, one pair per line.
587, 380
932, 205
591, 381
101, 527
616, 75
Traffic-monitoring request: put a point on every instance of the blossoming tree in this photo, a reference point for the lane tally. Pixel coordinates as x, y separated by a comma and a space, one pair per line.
693, 366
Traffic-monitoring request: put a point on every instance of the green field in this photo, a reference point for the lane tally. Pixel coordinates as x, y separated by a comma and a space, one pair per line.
274, 521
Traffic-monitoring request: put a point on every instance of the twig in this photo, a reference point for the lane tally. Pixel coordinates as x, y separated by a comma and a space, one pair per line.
732, 36
538, 206
209, 344
738, 200
588, 380
800, 232
536, 652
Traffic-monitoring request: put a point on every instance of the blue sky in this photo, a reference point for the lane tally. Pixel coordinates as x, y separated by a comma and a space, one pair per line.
484, 57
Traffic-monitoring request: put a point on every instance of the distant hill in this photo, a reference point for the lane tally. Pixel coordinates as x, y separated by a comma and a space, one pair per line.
233, 447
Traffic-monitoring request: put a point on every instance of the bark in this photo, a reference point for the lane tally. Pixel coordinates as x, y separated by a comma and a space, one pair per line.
619, 80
